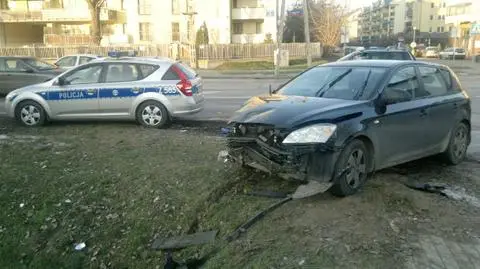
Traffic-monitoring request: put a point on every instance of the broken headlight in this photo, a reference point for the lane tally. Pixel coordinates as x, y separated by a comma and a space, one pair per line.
317, 133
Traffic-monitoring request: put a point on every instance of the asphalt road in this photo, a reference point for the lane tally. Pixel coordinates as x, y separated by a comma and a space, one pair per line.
225, 95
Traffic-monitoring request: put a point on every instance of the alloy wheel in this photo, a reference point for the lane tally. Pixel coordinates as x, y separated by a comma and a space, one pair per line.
30, 115
356, 168
152, 115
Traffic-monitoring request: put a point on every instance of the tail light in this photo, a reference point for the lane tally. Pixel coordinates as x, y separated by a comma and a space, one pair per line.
185, 86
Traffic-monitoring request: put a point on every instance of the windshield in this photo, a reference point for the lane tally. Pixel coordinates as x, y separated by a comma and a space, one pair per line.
39, 64
349, 83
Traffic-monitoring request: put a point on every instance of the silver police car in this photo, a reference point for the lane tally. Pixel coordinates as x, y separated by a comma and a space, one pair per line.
150, 90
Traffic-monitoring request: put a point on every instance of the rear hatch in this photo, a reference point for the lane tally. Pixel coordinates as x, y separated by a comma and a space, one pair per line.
191, 84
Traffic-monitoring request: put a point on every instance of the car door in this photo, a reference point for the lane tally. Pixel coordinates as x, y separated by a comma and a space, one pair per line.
120, 88
443, 105
67, 62
78, 96
400, 131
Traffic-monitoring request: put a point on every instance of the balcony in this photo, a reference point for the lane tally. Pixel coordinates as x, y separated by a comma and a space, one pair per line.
248, 13
248, 38
79, 39
58, 15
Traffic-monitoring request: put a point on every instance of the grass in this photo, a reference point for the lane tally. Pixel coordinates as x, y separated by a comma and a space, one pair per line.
116, 187
265, 65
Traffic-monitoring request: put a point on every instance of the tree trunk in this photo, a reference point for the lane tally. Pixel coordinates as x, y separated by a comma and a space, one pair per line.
96, 25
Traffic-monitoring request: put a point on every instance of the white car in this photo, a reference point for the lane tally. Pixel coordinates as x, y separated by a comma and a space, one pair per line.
431, 52
451, 53
70, 61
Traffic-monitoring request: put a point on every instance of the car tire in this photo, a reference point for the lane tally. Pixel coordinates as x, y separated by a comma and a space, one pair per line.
30, 114
356, 158
457, 146
153, 114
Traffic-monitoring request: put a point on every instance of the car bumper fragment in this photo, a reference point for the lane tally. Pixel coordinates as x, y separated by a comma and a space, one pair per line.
298, 162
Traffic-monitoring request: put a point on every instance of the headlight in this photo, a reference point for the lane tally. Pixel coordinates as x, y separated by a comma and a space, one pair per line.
318, 133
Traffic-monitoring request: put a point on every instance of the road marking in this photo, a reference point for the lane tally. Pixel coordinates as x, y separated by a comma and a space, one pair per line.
229, 97
210, 92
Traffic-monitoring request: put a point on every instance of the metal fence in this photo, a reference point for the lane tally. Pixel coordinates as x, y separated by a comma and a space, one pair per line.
254, 51
185, 52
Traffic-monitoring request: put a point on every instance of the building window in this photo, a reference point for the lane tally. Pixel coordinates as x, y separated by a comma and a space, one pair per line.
235, 4
175, 31
444, 5
439, 17
122, 5
124, 28
443, 17
442, 29
237, 28
175, 7
433, 5
430, 29
431, 17
450, 29
144, 7
259, 27
144, 30
438, 29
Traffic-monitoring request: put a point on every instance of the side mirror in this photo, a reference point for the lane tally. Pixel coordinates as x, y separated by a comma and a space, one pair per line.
380, 105
60, 81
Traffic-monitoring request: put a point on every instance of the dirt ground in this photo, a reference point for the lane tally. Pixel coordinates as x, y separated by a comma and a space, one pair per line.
117, 187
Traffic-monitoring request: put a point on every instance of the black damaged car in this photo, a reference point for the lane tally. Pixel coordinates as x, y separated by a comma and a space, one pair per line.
339, 122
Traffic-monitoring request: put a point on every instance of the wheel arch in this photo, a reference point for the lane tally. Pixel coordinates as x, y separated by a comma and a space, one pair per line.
32, 97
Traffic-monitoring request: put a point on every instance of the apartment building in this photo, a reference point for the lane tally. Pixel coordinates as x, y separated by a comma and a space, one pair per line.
389, 18
30, 22
461, 15
53, 22
376, 22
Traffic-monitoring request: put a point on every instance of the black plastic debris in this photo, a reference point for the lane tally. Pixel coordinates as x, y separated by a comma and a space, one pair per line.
428, 187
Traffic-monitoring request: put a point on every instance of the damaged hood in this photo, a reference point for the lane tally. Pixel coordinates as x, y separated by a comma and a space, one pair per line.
288, 111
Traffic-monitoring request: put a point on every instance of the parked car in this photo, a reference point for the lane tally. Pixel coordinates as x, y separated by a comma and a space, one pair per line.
337, 123
350, 49
17, 72
453, 53
70, 61
431, 52
151, 91
379, 54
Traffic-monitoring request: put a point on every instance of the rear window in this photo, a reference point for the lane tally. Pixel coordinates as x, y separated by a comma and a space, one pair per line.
189, 72
170, 75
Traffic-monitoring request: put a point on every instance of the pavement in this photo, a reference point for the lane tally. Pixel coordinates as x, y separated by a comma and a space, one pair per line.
226, 91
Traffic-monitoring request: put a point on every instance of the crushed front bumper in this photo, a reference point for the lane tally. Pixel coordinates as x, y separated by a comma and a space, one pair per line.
299, 162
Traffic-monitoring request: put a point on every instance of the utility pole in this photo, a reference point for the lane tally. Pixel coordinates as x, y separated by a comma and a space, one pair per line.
307, 32
280, 24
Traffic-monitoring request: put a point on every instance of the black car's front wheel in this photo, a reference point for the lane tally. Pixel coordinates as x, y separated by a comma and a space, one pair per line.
351, 169
457, 147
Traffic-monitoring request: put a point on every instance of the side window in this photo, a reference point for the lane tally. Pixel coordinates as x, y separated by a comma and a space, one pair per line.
147, 69
448, 78
15, 65
402, 86
433, 81
89, 74
67, 61
121, 73
84, 60
170, 75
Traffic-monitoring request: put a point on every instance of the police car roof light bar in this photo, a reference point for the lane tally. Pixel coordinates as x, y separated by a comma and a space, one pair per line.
118, 54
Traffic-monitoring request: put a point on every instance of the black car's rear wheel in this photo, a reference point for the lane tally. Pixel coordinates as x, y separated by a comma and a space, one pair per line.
352, 166
30, 113
457, 147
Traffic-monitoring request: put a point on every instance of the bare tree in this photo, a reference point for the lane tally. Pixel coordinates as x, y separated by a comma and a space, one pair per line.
328, 19
95, 6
